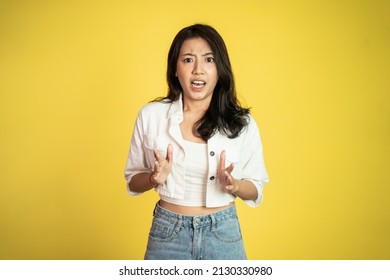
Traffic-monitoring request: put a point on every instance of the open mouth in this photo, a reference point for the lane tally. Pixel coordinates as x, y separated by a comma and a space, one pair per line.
198, 84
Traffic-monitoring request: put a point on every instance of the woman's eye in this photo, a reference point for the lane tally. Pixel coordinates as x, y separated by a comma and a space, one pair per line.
210, 59
188, 60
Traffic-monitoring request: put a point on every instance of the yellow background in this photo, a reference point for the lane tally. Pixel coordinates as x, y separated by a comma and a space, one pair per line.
73, 75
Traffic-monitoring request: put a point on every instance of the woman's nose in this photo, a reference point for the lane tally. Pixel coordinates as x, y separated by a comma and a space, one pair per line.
198, 68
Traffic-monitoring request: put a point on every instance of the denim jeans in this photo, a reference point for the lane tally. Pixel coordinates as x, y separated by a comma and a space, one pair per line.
216, 236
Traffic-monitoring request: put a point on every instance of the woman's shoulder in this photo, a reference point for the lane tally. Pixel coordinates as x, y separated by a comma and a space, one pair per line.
252, 126
155, 107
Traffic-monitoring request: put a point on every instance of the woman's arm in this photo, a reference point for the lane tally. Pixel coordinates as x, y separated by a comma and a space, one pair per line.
143, 182
244, 189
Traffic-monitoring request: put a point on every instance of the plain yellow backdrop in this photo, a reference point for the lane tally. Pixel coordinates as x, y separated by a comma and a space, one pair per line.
73, 75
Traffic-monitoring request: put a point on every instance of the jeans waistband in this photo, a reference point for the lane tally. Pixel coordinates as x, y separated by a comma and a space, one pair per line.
196, 221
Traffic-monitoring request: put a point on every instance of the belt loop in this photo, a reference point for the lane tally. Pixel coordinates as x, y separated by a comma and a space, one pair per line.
213, 221
155, 209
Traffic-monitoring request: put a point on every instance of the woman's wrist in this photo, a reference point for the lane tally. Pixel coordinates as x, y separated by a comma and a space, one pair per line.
150, 180
236, 187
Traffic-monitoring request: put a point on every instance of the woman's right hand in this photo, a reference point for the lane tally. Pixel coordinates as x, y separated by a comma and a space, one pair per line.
162, 167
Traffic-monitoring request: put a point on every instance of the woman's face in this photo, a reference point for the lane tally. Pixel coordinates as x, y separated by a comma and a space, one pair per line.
197, 70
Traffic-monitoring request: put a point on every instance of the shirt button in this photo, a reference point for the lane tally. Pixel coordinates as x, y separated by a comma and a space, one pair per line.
212, 153
212, 178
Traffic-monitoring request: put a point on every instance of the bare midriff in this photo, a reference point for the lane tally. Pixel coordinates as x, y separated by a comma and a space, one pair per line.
191, 210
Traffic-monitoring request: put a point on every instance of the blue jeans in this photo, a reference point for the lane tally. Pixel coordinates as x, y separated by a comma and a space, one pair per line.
216, 236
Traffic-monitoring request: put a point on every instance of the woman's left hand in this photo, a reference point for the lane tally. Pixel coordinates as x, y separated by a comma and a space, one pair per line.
224, 174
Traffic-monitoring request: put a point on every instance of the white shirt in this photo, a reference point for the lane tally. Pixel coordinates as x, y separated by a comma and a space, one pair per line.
196, 169
157, 125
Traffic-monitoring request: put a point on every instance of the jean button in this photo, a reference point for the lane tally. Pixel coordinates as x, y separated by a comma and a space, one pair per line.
196, 221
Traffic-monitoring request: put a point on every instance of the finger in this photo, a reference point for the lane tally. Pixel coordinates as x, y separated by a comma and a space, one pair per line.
229, 188
229, 178
230, 168
156, 166
157, 156
169, 153
222, 160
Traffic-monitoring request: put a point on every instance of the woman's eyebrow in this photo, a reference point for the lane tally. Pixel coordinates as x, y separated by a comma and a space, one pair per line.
192, 54
188, 54
208, 53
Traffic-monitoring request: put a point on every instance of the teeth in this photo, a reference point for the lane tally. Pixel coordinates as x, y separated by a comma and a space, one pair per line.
198, 83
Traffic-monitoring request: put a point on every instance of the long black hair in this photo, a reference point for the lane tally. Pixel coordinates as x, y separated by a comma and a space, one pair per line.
224, 113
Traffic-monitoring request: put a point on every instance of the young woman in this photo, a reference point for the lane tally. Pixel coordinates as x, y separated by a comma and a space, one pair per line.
199, 150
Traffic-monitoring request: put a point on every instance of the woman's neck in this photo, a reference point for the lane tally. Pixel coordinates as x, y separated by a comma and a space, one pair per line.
195, 107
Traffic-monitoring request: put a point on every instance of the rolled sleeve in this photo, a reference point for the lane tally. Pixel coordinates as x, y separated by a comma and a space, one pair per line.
254, 168
136, 160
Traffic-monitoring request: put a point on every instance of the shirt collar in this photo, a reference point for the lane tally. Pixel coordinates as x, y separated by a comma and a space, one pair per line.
176, 110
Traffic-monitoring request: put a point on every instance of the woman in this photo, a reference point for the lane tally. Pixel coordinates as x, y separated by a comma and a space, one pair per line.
199, 149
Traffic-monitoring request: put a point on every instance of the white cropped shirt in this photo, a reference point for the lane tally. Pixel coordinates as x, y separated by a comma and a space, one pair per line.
195, 176
157, 125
